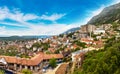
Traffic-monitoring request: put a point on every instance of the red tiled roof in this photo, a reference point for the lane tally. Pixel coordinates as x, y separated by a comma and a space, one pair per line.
51, 50
33, 61
86, 40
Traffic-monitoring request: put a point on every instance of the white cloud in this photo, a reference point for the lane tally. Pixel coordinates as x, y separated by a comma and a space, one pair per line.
29, 17
13, 24
16, 15
53, 29
2, 30
31, 29
52, 17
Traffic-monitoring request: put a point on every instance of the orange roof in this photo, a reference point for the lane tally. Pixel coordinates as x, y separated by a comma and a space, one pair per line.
75, 46
86, 40
98, 42
33, 61
51, 50
79, 55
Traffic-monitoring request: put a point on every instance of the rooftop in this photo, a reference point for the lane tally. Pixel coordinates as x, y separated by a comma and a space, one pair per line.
33, 61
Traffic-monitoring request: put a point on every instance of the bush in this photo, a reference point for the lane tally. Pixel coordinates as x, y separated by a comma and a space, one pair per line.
103, 62
52, 62
26, 71
2, 72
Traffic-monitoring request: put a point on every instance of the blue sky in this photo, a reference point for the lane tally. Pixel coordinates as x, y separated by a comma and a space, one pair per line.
47, 17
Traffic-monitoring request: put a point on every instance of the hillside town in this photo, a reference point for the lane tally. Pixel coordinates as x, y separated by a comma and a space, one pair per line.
68, 50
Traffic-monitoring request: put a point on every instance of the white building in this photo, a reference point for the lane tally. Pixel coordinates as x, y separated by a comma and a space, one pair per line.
99, 31
81, 51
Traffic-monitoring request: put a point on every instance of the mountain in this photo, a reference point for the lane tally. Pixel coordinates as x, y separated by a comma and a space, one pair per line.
35, 37
71, 30
108, 15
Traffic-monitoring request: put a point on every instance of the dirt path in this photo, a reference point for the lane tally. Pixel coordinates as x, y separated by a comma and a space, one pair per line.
73, 67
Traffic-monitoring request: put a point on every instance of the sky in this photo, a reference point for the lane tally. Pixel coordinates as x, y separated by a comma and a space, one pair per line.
47, 17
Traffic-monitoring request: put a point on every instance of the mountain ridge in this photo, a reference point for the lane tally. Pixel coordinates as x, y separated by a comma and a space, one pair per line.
108, 15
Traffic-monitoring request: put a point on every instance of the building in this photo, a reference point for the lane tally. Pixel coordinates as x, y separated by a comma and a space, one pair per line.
35, 63
80, 51
99, 31
88, 28
107, 26
79, 59
87, 40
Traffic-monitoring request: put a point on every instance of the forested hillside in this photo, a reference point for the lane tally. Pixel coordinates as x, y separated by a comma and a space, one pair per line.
104, 61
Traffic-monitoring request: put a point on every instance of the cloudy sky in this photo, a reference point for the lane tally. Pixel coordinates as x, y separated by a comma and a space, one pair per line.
47, 17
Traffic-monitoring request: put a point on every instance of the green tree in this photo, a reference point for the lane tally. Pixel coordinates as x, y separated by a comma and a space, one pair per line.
2, 72
37, 44
26, 71
52, 62
45, 46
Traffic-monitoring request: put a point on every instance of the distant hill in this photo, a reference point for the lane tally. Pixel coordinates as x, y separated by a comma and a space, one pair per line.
108, 15
71, 30
23, 37
36, 37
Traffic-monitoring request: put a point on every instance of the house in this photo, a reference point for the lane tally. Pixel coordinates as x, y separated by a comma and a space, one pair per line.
99, 31
88, 28
52, 50
79, 59
76, 53
107, 26
80, 51
35, 63
2, 63
87, 40
74, 46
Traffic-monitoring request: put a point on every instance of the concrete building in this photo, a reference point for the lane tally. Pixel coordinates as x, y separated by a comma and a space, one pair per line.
88, 28
99, 31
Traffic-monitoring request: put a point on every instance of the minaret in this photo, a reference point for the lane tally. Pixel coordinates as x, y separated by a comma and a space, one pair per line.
90, 30
90, 34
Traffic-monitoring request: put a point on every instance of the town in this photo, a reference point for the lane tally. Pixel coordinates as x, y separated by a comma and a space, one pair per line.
66, 51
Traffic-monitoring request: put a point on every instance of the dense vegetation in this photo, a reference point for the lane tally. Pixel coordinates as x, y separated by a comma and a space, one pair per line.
104, 61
